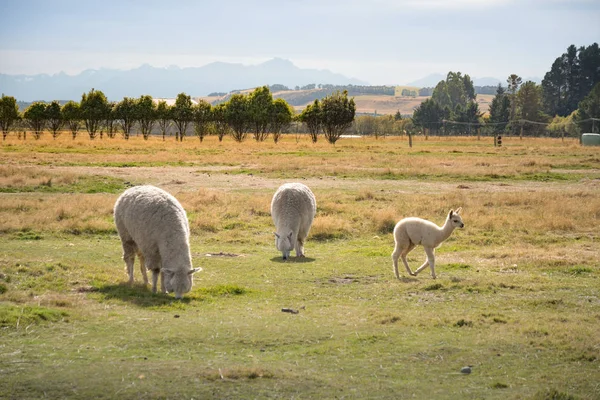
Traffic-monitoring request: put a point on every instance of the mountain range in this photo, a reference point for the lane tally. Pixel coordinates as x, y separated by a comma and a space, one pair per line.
168, 82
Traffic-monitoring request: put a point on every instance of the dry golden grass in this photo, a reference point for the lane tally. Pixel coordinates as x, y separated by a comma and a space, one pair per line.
71, 213
361, 184
436, 156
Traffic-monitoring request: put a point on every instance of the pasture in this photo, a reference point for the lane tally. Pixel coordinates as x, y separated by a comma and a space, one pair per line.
517, 296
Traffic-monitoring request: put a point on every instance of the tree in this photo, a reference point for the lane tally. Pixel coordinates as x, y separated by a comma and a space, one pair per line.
398, 116
563, 126
311, 116
460, 89
125, 113
182, 115
366, 125
201, 115
9, 114
386, 126
589, 62
337, 115
145, 114
219, 121
572, 75
441, 96
54, 118
237, 116
259, 108
467, 116
71, 115
571, 78
554, 87
529, 103
163, 116
499, 110
455, 90
281, 116
588, 113
35, 118
110, 121
513, 81
94, 109
430, 115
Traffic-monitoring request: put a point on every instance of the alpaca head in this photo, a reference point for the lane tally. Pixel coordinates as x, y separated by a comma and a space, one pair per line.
284, 244
455, 219
179, 282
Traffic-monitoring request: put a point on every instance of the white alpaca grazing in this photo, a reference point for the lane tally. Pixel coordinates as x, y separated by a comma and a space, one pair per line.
154, 225
293, 209
411, 232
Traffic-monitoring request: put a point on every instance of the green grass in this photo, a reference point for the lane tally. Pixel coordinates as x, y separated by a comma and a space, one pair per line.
82, 184
12, 316
359, 331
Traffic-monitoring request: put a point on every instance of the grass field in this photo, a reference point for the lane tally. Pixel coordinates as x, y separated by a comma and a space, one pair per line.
517, 296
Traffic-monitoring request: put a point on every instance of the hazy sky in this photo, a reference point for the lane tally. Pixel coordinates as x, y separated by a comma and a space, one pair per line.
378, 41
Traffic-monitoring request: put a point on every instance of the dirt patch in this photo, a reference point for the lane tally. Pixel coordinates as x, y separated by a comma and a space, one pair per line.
186, 179
343, 281
221, 254
349, 279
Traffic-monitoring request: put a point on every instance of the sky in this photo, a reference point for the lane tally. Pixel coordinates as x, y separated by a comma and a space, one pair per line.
382, 42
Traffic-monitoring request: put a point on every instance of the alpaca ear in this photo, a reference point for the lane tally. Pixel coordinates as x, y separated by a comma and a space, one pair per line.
290, 235
458, 210
276, 235
193, 271
450, 214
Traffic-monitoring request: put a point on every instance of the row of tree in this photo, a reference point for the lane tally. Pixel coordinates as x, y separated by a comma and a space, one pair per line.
569, 90
570, 79
256, 113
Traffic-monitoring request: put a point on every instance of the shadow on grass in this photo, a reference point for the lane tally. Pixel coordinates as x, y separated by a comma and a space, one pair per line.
139, 295
407, 279
294, 260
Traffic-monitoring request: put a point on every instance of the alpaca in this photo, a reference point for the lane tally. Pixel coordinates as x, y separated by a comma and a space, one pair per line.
152, 224
411, 231
293, 209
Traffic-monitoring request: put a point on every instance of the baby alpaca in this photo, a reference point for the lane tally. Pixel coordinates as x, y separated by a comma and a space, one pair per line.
411, 231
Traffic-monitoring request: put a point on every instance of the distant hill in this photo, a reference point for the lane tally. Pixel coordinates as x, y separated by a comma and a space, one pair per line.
433, 79
166, 82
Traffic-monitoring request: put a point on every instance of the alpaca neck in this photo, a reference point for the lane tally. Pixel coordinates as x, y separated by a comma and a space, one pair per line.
445, 231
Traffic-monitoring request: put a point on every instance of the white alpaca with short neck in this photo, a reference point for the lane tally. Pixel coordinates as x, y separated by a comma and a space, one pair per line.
410, 232
293, 209
153, 225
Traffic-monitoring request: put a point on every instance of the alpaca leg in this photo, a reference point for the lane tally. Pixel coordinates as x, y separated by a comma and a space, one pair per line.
395, 256
162, 282
155, 273
431, 257
430, 261
425, 264
143, 267
299, 248
402, 247
129, 250
404, 254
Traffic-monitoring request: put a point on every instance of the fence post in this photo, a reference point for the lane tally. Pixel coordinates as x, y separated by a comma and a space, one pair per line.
521, 134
